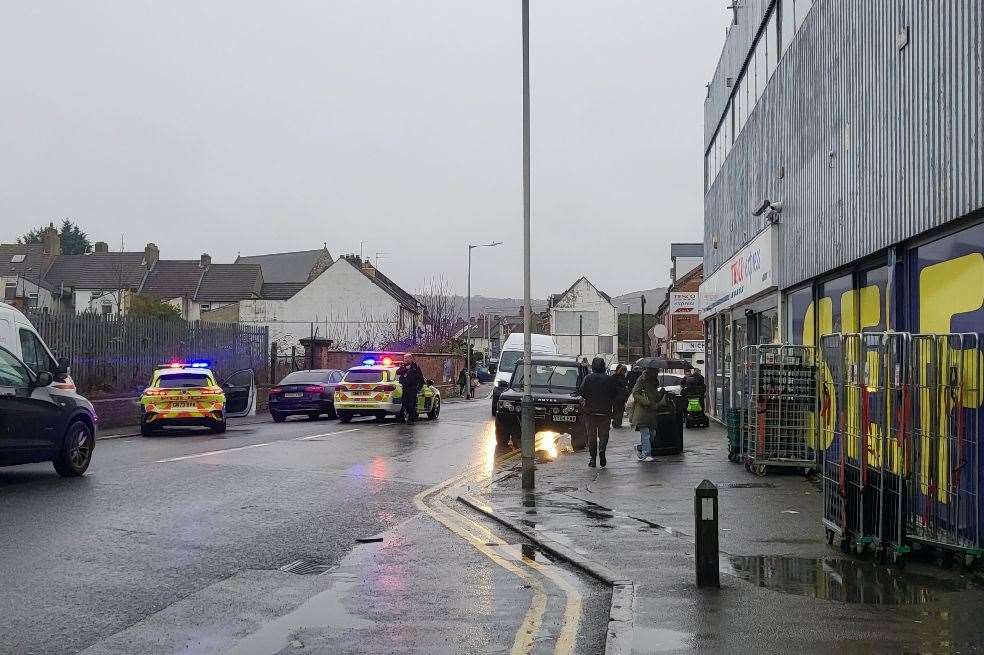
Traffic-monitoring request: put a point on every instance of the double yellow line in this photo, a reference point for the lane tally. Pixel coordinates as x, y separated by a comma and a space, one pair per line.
530, 571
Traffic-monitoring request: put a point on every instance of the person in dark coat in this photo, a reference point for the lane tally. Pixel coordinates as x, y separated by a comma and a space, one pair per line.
600, 393
622, 395
462, 382
693, 386
411, 379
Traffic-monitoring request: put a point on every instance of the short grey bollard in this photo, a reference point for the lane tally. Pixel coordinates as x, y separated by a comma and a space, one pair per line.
706, 534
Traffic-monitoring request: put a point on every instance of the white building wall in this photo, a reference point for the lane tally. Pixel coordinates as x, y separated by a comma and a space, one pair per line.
342, 304
93, 300
26, 288
583, 297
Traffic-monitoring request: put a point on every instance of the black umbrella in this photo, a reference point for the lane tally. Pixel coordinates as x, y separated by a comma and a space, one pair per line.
662, 363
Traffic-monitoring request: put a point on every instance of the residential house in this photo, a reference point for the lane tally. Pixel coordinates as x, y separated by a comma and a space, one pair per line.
23, 271
201, 290
584, 321
478, 334
349, 302
100, 281
298, 267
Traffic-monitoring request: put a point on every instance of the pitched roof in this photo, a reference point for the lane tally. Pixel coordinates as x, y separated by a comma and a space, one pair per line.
556, 297
394, 290
24, 260
97, 270
173, 278
286, 266
230, 282
280, 290
686, 250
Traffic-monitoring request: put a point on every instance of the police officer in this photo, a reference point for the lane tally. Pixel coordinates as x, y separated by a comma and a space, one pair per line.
411, 379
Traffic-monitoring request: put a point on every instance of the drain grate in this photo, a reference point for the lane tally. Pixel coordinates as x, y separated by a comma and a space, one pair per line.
750, 485
306, 567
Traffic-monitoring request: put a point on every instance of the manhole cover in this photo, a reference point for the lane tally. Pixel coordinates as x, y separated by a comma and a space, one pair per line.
750, 485
306, 567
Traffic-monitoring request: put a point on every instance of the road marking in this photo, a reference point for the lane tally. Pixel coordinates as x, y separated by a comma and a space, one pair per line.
211, 452
326, 434
483, 540
255, 445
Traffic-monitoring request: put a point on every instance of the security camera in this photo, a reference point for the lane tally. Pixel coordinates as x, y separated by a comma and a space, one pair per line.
770, 209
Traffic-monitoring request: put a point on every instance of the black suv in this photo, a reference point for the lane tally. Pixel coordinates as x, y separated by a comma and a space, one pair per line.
42, 423
557, 405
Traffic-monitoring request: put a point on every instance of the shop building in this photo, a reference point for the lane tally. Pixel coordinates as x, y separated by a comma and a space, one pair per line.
844, 175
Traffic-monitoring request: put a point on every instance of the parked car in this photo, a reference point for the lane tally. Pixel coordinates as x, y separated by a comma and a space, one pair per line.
483, 374
556, 404
671, 382
183, 394
512, 354
374, 390
40, 422
311, 393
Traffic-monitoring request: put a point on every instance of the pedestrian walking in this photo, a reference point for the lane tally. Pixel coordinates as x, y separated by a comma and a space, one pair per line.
649, 401
599, 392
411, 381
622, 395
462, 382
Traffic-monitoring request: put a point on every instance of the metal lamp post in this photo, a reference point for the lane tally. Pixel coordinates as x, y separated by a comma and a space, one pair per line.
468, 363
527, 403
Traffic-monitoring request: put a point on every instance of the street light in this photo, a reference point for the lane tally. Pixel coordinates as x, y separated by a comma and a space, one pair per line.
468, 364
526, 417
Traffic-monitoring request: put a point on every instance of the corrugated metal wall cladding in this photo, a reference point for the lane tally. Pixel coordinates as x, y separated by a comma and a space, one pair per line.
877, 144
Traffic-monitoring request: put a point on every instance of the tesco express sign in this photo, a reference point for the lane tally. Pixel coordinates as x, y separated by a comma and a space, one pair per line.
745, 275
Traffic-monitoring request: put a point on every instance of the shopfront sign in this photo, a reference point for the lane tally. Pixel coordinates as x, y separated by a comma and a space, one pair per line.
747, 274
683, 302
689, 346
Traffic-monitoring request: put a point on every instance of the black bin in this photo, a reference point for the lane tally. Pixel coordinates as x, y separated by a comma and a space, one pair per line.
668, 439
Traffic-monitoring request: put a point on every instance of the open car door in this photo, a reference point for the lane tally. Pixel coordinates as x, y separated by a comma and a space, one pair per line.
240, 393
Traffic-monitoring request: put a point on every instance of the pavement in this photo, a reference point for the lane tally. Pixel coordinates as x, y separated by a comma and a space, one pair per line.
296, 537
783, 589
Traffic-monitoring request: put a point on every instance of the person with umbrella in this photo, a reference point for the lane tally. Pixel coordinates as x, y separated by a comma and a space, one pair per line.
650, 403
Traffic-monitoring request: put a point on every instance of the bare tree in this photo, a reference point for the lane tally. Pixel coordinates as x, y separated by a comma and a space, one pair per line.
441, 311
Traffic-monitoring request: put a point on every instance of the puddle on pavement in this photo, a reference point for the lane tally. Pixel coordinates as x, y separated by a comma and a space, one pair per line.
659, 640
843, 580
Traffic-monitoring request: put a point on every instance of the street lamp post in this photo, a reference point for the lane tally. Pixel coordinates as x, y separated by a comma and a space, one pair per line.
643, 330
527, 403
468, 339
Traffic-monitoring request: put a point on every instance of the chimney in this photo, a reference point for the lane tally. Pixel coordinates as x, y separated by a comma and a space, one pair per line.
205, 260
51, 242
151, 255
100, 246
368, 269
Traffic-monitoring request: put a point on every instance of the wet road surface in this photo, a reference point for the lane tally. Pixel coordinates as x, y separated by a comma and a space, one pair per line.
249, 542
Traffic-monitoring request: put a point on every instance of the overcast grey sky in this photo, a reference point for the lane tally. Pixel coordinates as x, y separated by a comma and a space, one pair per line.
228, 126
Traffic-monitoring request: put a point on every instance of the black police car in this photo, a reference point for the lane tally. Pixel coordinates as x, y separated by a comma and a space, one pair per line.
42, 422
556, 403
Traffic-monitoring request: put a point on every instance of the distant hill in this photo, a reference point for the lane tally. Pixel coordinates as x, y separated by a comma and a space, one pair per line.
653, 299
505, 306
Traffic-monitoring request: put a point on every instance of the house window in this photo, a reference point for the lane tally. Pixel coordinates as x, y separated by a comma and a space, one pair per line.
206, 306
32, 301
9, 291
107, 308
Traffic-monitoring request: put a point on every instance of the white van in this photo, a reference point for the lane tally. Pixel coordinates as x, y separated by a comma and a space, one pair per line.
512, 354
18, 336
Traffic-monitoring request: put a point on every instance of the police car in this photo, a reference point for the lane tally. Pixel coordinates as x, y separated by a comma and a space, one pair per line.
373, 389
185, 394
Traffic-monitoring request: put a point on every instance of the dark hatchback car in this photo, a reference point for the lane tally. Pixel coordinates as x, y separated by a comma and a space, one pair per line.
557, 406
42, 423
311, 393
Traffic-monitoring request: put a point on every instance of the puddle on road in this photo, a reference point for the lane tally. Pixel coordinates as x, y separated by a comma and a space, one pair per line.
843, 580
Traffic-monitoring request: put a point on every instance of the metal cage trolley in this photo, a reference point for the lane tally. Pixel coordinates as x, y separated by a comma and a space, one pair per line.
944, 488
781, 405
